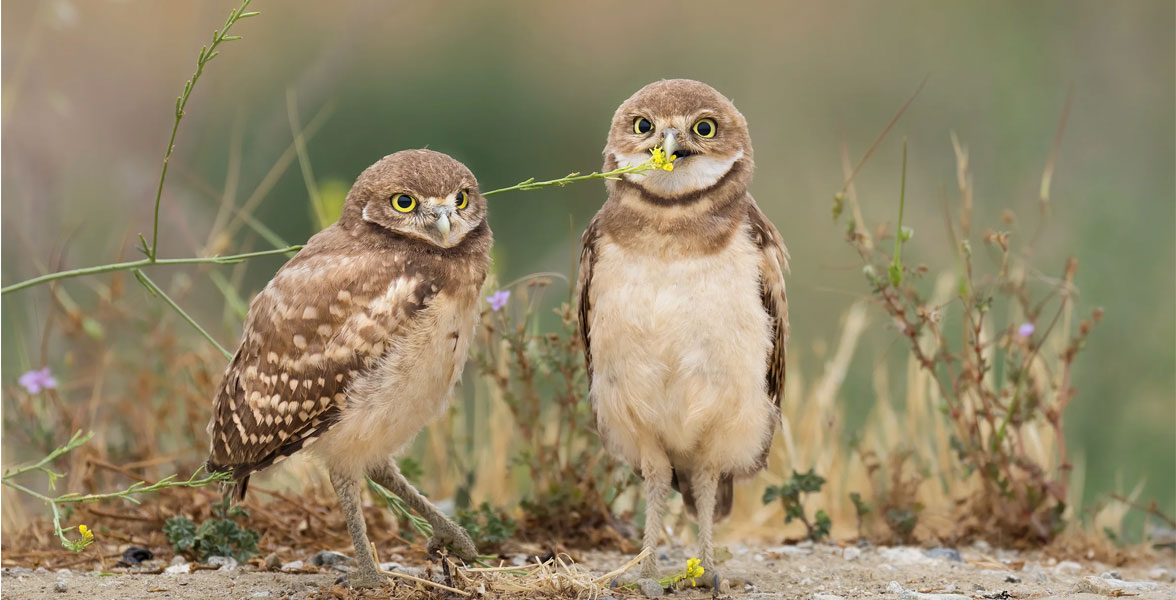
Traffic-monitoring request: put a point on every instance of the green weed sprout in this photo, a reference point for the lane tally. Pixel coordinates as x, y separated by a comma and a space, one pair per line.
789, 494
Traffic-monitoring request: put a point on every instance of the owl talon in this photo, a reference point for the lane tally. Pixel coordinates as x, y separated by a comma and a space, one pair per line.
359, 579
456, 540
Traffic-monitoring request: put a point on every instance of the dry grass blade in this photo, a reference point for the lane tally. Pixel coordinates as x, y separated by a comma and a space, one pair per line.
885, 130
559, 576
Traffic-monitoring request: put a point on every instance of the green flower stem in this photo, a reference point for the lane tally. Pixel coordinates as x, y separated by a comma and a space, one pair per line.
198, 479
74, 442
157, 291
206, 55
531, 184
144, 262
896, 266
400, 509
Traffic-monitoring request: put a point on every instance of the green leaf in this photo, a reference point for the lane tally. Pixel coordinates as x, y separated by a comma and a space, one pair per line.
771, 494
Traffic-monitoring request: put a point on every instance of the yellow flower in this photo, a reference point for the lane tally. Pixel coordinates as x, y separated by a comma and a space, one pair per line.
660, 160
692, 572
85, 531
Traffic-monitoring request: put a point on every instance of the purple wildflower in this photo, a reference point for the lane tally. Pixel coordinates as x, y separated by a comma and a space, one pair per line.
498, 299
37, 380
1026, 330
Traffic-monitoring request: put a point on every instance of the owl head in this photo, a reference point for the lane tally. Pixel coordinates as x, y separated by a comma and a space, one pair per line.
417, 194
689, 120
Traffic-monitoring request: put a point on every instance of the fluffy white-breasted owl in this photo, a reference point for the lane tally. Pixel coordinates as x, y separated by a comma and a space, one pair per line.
357, 342
682, 307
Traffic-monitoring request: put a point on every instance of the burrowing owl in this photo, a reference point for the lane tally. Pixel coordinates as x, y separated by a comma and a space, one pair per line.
682, 306
357, 342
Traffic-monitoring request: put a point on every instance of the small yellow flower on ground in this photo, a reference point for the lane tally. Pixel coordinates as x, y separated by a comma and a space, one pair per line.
692, 572
85, 531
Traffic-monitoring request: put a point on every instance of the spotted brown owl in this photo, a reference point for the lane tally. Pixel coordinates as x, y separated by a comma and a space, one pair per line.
358, 340
682, 307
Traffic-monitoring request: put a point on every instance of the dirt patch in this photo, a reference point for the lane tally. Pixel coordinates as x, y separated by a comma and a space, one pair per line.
820, 572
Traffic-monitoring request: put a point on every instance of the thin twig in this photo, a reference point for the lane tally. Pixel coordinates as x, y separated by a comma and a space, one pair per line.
157, 291
885, 130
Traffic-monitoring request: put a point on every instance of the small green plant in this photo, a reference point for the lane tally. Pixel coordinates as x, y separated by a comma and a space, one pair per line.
790, 495
489, 527
860, 509
219, 535
541, 377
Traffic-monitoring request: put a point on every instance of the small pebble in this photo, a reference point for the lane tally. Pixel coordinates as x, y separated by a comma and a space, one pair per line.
224, 563
1160, 574
1012, 579
134, 555
852, 553
904, 555
894, 588
272, 562
827, 597
650, 588
178, 560
1068, 567
1129, 585
60, 587
292, 566
261, 594
945, 553
327, 558
1095, 585
179, 569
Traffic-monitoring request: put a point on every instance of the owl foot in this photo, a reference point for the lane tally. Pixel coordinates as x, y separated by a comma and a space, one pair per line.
361, 579
711, 580
455, 538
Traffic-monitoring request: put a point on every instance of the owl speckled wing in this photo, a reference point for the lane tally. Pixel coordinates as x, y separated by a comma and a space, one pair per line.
774, 262
584, 283
324, 319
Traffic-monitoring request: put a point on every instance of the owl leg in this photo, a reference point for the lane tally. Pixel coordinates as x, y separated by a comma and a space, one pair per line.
347, 488
655, 469
705, 483
445, 532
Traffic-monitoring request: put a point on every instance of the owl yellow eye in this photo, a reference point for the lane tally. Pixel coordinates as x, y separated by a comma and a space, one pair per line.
403, 203
462, 200
705, 128
642, 126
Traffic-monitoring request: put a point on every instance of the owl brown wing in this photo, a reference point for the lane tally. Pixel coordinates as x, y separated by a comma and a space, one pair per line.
774, 262
326, 317
583, 283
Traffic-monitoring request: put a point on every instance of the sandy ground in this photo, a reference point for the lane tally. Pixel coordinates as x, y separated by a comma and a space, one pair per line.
821, 572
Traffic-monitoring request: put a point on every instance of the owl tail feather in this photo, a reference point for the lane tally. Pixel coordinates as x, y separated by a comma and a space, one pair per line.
724, 496
233, 489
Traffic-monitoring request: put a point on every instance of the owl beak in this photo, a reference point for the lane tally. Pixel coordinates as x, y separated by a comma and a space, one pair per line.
670, 142
443, 221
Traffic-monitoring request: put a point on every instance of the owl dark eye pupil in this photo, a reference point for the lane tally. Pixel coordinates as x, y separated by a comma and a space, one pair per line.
642, 125
704, 128
403, 201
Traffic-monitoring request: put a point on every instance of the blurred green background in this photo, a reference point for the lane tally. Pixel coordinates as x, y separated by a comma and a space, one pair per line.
522, 89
